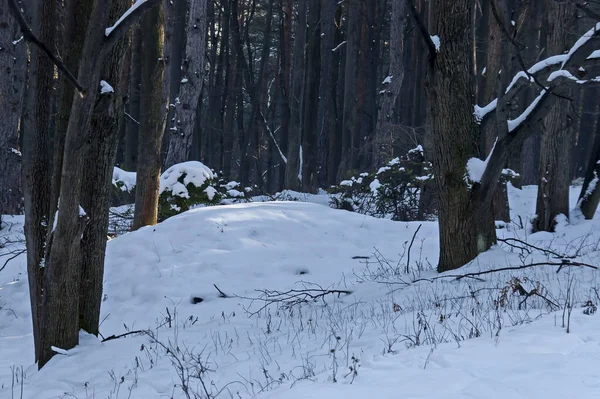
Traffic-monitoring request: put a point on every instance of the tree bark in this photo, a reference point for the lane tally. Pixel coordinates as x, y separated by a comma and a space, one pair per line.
466, 227
326, 105
391, 86
13, 64
132, 124
311, 98
191, 87
152, 120
104, 129
294, 151
553, 190
77, 14
36, 176
500, 206
285, 70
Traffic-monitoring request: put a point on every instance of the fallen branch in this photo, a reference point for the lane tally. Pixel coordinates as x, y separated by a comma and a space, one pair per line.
110, 338
292, 298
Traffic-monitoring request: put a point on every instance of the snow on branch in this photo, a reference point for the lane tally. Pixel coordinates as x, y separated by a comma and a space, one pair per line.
580, 47
123, 17
129, 18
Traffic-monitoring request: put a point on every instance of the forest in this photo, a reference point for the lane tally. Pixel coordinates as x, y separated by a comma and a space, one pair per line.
434, 107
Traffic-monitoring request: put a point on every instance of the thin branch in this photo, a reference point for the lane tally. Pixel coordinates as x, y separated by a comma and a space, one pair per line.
410, 247
127, 20
110, 338
423, 30
29, 36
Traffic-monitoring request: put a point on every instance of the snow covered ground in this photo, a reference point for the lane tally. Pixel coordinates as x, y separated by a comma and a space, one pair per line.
380, 334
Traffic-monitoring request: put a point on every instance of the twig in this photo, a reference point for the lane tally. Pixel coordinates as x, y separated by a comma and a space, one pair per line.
110, 338
221, 293
547, 251
423, 30
410, 247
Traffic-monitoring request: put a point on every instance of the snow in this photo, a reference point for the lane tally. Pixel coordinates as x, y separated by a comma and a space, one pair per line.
126, 180
297, 352
195, 173
581, 41
515, 123
436, 42
131, 9
387, 80
481, 112
476, 167
374, 186
105, 87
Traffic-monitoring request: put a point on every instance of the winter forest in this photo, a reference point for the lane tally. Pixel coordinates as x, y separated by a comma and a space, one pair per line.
299, 198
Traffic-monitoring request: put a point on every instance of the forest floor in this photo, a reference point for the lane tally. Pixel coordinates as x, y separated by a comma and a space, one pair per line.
220, 297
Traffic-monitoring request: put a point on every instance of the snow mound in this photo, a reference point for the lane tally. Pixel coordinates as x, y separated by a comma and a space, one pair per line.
123, 179
194, 172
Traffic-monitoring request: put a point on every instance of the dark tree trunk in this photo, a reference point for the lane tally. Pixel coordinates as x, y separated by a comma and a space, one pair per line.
152, 120
232, 77
189, 92
13, 64
495, 49
285, 70
349, 117
250, 154
36, 174
326, 111
294, 151
392, 84
466, 227
589, 198
77, 14
311, 98
214, 127
132, 124
553, 191
175, 27
97, 183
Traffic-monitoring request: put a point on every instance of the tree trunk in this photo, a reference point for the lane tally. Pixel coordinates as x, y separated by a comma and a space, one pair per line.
36, 176
392, 85
326, 111
294, 151
174, 49
152, 120
250, 155
285, 70
350, 118
191, 87
500, 206
132, 123
311, 98
13, 64
466, 228
77, 14
589, 198
232, 77
97, 183
553, 191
